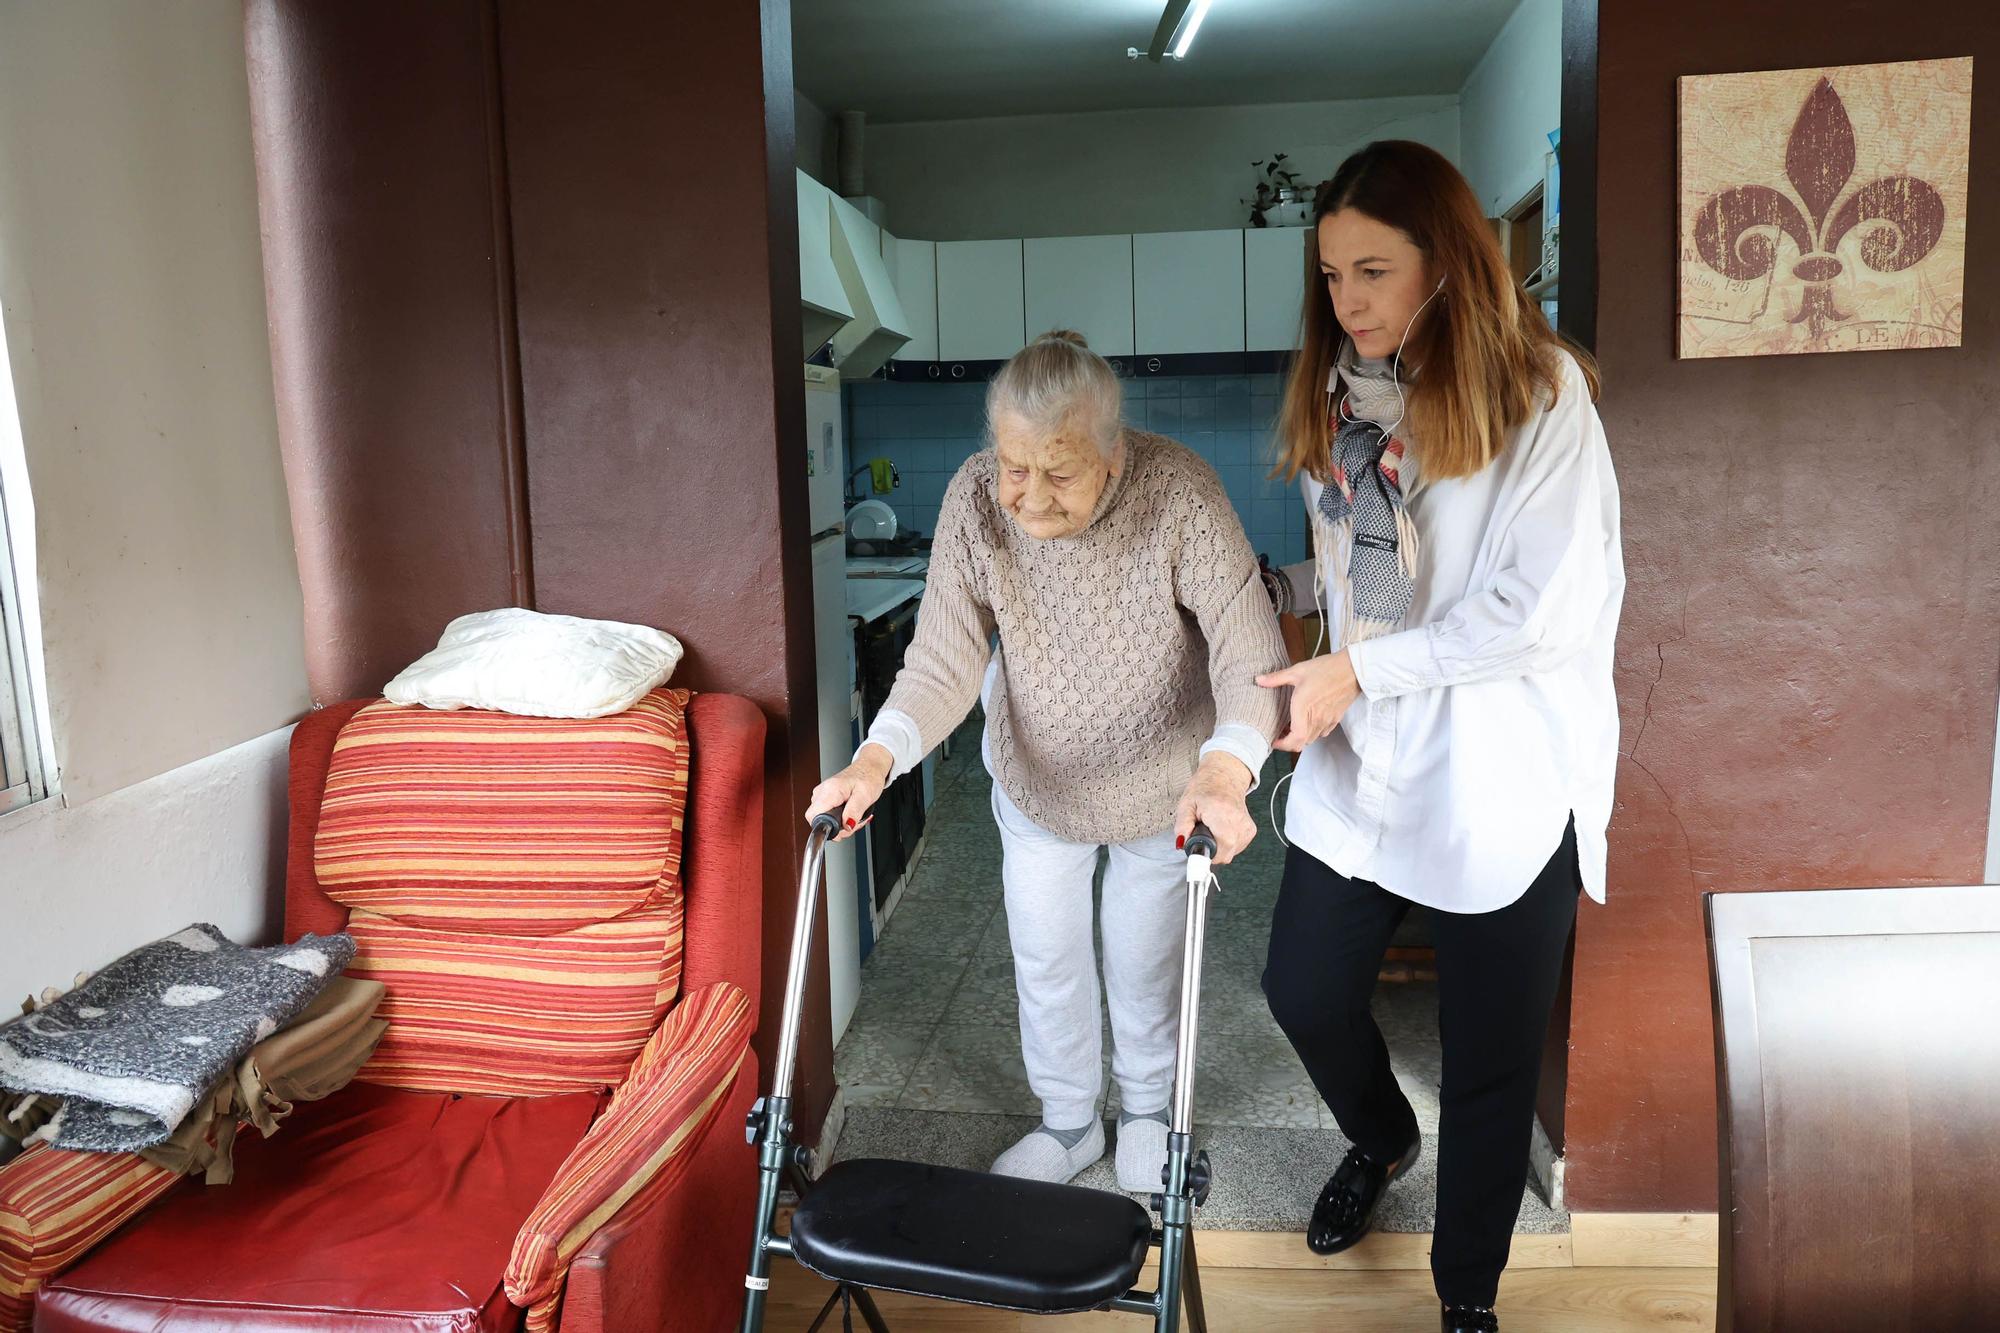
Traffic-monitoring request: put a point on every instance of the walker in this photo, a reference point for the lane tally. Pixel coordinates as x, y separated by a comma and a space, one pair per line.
969, 1236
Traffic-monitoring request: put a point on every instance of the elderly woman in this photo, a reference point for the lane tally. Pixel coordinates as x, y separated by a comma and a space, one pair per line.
1121, 707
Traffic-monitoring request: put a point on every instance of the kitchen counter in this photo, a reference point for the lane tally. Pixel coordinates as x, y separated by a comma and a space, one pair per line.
870, 598
887, 566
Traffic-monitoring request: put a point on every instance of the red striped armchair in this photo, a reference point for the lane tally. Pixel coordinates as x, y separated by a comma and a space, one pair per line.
566, 916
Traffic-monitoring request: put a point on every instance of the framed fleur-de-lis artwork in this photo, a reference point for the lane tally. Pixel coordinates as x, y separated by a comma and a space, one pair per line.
1823, 210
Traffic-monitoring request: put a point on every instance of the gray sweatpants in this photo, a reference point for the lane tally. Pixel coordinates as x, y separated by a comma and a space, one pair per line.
1047, 881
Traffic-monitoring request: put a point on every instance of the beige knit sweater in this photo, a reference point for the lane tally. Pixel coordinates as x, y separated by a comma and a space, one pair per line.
1121, 645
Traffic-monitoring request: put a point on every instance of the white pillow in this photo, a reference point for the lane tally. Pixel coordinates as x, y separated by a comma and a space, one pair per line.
518, 661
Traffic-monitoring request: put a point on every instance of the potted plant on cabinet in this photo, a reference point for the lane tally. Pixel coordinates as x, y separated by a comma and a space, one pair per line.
1280, 200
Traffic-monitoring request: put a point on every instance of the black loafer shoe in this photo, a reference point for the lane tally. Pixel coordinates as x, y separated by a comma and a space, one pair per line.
1470, 1319
1340, 1218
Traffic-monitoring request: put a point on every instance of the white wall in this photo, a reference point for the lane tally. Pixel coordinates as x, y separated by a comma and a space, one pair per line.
1511, 101
132, 291
133, 295
205, 842
1179, 169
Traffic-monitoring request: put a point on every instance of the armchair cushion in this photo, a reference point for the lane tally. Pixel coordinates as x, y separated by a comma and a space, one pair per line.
481, 821
515, 883
376, 1209
54, 1206
645, 1140
514, 1015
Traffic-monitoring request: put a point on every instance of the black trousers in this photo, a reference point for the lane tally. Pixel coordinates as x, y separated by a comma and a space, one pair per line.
1497, 978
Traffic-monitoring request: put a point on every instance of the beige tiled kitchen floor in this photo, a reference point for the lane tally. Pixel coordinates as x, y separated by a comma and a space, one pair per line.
931, 1063
936, 1026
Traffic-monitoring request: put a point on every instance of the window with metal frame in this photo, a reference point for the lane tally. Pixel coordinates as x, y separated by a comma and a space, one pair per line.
24, 767
21, 777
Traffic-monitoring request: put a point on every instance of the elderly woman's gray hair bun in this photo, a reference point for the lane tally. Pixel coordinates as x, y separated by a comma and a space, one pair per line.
1057, 383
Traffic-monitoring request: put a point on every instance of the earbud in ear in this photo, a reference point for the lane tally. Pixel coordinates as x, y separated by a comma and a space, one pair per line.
1440, 287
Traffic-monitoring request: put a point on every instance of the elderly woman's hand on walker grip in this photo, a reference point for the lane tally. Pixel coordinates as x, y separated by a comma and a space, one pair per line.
852, 792
1215, 796
1323, 688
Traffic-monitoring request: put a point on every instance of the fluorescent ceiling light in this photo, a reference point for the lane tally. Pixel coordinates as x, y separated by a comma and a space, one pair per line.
1190, 24
1179, 22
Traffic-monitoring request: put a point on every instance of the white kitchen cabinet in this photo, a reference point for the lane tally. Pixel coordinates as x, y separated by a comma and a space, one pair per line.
1082, 283
981, 315
1187, 292
912, 267
1274, 271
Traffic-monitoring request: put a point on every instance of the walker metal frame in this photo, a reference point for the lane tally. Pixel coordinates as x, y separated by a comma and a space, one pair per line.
1186, 1176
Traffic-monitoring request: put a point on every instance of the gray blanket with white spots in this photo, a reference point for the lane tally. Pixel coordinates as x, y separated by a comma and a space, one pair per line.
132, 1049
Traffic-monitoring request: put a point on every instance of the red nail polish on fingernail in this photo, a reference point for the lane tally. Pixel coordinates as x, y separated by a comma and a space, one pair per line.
1179, 842
850, 823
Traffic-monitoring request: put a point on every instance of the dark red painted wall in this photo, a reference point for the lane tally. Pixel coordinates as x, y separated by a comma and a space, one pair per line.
387, 287
655, 238
532, 273
1809, 657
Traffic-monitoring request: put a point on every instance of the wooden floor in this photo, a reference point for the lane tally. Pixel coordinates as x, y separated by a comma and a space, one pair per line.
1270, 1284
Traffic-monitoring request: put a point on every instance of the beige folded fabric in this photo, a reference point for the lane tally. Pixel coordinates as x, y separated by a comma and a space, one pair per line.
317, 1054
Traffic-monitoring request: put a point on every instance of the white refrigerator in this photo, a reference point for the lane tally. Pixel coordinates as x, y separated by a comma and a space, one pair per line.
826, 467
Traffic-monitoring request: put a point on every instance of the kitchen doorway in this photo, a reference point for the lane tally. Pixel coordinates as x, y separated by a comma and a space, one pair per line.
962, 188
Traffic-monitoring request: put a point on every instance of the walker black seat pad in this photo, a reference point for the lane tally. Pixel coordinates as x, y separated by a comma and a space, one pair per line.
969, 1236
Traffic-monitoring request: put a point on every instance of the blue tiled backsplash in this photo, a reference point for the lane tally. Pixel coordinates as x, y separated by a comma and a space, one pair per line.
927, 430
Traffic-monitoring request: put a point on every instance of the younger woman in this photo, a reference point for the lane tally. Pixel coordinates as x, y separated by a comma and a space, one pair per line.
1457, 745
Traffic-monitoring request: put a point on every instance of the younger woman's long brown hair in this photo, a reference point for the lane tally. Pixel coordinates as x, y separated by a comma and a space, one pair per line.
1485, 355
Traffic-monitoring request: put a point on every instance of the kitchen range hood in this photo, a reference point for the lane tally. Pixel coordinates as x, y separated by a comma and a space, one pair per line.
824, 306
878, 327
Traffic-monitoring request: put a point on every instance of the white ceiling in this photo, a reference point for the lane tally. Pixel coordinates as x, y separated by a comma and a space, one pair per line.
903, 60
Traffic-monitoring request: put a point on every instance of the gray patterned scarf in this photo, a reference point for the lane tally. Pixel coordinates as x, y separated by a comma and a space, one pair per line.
1368, 538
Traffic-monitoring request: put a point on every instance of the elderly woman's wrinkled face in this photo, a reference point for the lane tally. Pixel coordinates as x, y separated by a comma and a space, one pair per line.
1050, 482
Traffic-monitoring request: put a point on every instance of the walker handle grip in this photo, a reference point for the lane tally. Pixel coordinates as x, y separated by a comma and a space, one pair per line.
826, 822
1201, 842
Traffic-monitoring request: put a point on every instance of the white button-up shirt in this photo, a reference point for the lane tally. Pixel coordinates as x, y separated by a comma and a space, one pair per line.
1485, 726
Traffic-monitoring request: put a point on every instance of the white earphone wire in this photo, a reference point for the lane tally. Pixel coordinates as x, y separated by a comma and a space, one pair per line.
1396, 367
